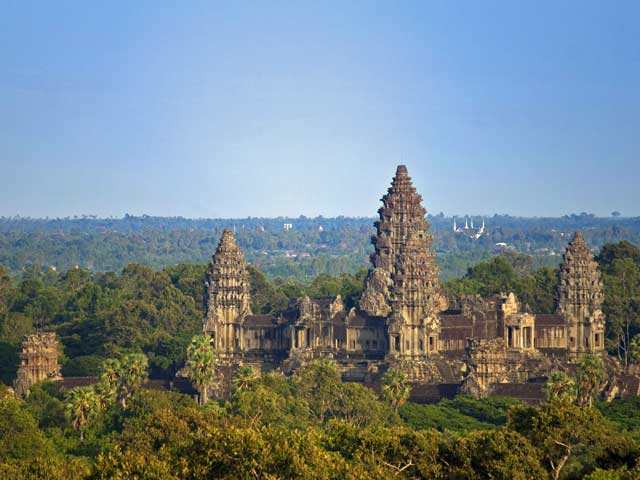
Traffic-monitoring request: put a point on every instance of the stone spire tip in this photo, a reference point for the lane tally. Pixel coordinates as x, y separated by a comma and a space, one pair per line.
402, 170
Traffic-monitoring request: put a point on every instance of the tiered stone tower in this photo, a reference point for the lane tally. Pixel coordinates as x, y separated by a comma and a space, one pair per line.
228, 296
404, 284
580, 298
38, 361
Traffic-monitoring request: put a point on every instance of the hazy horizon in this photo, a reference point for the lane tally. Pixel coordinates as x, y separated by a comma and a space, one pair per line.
230, 111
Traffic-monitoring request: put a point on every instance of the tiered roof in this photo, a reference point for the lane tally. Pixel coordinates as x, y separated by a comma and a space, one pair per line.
405, 277
580, 281
228, 279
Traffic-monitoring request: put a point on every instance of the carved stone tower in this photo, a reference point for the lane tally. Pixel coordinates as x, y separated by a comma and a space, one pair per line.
38, 361
580, 298
228, 296
404, 283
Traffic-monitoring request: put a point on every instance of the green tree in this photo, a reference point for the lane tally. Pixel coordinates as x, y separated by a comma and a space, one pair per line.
81, 406
201, 365
560, 387
20, 437
622, 303
133, 373
496, 454
395, 388
319, 384
7, 292
572, 439
120, 379
590, 378
244, 378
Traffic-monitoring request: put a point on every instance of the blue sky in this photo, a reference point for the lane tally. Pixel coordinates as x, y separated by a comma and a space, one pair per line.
285, 108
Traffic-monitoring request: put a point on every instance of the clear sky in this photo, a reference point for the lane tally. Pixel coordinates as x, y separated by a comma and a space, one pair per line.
204, 109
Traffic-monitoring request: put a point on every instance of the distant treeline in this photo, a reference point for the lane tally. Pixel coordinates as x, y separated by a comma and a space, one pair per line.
311, 247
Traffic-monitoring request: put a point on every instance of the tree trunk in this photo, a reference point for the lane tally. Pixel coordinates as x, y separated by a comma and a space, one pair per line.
557, 469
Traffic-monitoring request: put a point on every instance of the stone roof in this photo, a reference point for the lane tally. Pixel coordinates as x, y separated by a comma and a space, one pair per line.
73, 382
549, 320
430, 393
178, 384
362, 320
260, 321
532, 392
455, 321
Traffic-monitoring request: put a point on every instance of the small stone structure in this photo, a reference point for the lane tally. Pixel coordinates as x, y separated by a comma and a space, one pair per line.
38, 361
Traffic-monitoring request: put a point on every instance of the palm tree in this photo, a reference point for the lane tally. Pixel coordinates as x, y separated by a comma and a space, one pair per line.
133, 373
590, 378
201, 365
395, 388
560, 387
107, 387
121, 378
81, 406
244, 378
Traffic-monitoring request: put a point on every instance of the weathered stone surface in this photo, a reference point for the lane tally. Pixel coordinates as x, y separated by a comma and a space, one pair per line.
580, 297
228, 295
38, 361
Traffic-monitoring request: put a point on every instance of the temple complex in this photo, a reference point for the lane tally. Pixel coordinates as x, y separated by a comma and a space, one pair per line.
403, 319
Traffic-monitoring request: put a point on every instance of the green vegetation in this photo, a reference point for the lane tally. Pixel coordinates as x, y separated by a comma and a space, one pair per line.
501, 275
309, 425
314, 246
201, 365
122, 327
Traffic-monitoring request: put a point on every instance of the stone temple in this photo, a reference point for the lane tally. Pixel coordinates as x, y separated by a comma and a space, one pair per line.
403, 320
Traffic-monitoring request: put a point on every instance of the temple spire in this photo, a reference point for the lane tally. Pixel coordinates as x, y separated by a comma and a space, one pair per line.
228, 293
405, 275
580, 297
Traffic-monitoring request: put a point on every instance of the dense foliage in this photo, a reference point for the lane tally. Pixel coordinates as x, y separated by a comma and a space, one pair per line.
119, 327
309, 425
312, 247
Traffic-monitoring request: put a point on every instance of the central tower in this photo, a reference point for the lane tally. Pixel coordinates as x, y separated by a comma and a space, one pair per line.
404, 284
228, 297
